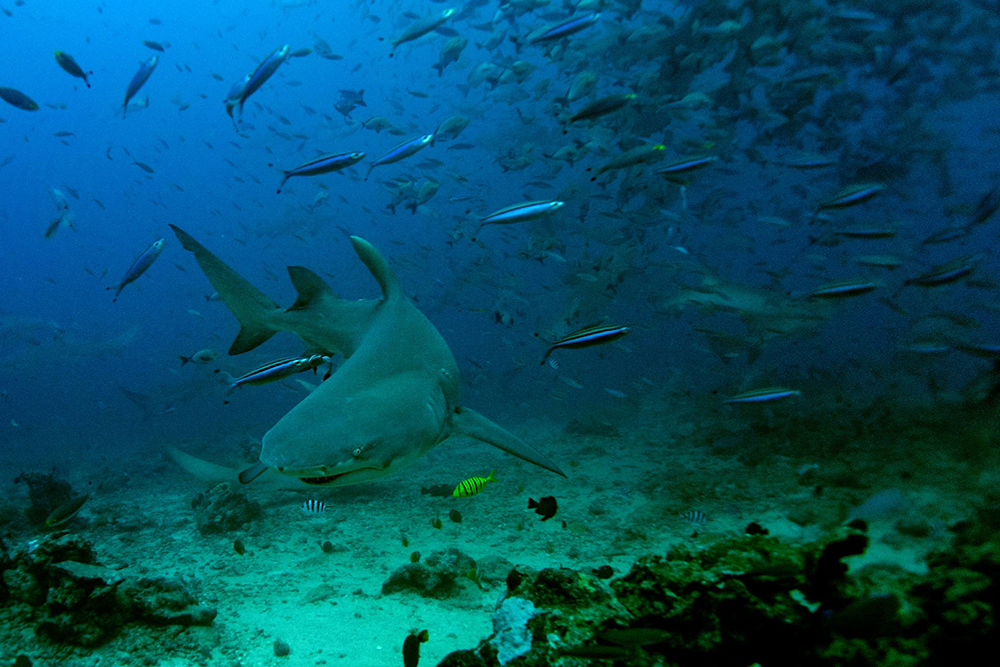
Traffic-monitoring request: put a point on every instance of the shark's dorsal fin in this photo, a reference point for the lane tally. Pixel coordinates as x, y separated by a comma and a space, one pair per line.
309, 286
380, 269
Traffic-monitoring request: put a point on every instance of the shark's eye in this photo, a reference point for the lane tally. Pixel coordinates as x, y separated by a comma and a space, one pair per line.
357, 451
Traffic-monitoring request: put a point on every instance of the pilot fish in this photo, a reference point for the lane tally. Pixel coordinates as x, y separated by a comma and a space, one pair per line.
473, 485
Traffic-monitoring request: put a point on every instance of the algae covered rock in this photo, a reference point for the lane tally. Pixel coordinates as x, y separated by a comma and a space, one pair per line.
439, 575
222, 509
75, 600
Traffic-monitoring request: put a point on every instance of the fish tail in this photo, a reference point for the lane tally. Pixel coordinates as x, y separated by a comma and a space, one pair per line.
252, 308
184, 360
491, 477
532, 503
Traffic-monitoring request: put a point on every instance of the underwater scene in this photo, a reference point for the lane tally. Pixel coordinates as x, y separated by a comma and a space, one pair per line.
489, 333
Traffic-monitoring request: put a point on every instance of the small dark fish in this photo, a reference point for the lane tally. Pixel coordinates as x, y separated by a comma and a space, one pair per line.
545, 507
145, 167
986, 207
155, 21
18, 99
437, 491
411, 648
754, 528
156, 46
694, 516
239, 548
71, 67
514, 579
460, 147
455, 516
66, 511
313, 506
604, 572
300, 53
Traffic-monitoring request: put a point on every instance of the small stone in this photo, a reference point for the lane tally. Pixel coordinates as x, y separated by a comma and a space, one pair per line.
281, 648
328, 547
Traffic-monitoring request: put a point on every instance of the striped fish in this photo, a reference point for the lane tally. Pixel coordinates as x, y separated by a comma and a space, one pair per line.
522, 212
764, 395
400, 152
139, 266
259, 76
279, 370
851, 195
313, 506
694, 516
137, 82
672, 171
596, 335
473, 485
567, 28
945, 273
842, 289
322, 165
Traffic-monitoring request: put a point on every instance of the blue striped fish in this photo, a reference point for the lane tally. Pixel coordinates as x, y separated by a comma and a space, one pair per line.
945, 273
322, 165
594, 335
764, 395
313, 506
673, 171
400, 152
473, 485
842, 289
139, 266
851, 195
259, 76
140, 78
529, 210
567, 28
279, 370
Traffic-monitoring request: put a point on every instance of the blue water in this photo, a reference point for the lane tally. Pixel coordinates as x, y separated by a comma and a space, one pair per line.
58, 396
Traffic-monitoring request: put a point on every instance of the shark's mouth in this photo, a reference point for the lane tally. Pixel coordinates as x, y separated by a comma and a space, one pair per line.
319, 481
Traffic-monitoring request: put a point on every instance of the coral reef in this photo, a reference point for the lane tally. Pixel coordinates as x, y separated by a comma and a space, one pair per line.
46, 493
221, 510
75, 600
752, 599
436, 576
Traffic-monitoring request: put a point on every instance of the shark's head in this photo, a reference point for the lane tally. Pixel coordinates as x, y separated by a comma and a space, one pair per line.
336, 437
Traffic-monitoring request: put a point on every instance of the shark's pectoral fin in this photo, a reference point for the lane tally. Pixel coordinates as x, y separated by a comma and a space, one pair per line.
473, 425
252, 473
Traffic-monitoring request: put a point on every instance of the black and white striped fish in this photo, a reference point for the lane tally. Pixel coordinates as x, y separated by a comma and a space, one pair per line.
313, 506
694, 516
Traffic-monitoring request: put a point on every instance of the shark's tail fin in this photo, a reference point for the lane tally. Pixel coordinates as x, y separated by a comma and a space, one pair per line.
251, 307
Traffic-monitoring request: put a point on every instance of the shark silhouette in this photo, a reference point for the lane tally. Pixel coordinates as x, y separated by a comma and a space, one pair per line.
394, 398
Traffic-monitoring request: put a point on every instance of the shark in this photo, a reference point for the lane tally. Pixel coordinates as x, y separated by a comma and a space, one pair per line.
394, 398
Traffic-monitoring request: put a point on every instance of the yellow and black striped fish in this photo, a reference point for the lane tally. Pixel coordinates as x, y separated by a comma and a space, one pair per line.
473, 485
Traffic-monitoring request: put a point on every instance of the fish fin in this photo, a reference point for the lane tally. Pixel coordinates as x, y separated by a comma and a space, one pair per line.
309, 286
250, 306
471, 424
252, 473
379, 268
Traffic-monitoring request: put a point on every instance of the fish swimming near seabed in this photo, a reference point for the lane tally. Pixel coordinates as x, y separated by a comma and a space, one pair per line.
394, 398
